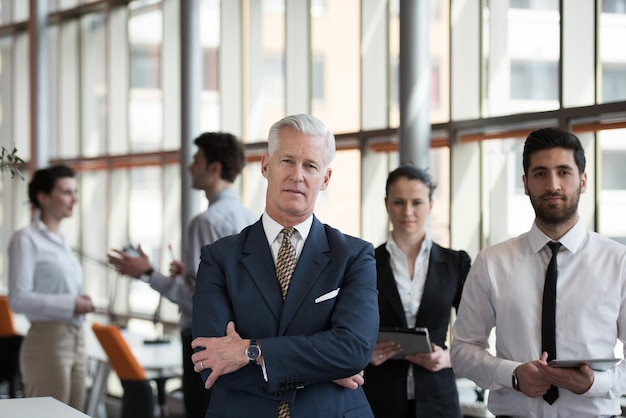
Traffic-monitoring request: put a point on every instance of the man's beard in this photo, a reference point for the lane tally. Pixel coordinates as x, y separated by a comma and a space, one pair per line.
556, 214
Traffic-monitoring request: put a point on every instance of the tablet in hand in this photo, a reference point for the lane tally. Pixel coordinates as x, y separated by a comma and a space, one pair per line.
412, 340
598, 364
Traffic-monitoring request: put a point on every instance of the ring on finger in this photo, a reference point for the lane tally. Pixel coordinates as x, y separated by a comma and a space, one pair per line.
201, 365
380, 356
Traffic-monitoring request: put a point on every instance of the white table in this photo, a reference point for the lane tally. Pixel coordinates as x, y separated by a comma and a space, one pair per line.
36, 408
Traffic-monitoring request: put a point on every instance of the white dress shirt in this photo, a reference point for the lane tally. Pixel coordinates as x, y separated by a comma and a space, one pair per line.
504, 289
410, 288
274, 237
44, 275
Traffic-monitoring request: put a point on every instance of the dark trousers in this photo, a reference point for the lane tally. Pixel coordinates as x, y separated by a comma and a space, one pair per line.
196, 396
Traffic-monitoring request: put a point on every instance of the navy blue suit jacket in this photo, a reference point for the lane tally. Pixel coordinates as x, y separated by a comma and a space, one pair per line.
385, 385
306, 342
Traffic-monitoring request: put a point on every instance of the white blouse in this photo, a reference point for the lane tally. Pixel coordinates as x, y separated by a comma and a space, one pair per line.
44, 275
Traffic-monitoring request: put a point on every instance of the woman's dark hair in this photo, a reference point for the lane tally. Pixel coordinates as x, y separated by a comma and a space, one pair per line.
45, 179
225, 148
412, 173
547, 138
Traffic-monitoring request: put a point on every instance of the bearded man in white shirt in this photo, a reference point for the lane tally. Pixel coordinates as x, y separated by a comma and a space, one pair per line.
505, 287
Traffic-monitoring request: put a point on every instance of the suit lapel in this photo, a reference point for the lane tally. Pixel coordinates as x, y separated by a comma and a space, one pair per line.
432, 287
387, 285
257, 258
313, 259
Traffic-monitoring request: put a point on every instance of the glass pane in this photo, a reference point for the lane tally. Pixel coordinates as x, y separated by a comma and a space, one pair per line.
439, 36
93, 210
439, 169
267, 67
5, 8
254, 187
612, 51
93, 88
210, 42
145, 102
21, 11
67, 98
339, 205
145, 227
612, 190
66, 4
507, 211
6, 87
522, 52
339, 59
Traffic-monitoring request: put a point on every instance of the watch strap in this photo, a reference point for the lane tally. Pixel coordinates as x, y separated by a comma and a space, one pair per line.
514, 380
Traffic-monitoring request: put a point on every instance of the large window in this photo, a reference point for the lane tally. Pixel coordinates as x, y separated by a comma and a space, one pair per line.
113, 111
612, 175
145, 95
612, 52
521, 53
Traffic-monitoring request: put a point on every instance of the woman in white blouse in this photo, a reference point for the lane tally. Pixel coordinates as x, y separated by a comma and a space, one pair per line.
45, 284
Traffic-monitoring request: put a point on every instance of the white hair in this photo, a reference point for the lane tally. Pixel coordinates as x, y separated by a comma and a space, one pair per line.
305, 124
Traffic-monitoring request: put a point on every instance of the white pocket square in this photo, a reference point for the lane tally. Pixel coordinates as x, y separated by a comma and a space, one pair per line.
329, 295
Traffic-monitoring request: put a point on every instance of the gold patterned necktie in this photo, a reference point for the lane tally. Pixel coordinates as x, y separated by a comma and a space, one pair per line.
285, 265
286, 261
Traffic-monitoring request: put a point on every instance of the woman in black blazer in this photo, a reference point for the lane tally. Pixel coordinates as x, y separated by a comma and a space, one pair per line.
418, 282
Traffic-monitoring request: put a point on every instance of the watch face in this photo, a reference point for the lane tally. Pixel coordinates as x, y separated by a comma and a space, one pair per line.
253, 352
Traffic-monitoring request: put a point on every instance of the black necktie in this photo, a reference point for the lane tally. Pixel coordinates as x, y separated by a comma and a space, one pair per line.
548, 320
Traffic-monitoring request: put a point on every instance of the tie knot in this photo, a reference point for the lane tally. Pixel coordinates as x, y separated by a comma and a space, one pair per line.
554, 246
287, 232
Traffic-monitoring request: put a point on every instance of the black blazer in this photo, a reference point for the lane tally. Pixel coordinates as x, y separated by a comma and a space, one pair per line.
385, 385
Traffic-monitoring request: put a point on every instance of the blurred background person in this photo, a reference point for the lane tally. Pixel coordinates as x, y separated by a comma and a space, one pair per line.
418, 283
46, 285
215, 167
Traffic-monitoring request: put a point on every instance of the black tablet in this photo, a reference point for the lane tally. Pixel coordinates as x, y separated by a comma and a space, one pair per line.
412, 340
599, 364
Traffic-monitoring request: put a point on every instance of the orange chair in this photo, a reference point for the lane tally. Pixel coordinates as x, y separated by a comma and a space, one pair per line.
7, 329
10, 344
138, 398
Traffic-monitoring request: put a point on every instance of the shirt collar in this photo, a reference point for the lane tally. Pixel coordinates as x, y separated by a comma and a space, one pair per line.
40, 226
272, 228
572, 240
227, 193
391, 245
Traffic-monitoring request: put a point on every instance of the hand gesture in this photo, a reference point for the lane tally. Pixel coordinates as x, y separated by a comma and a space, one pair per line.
133, 266
176, 268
